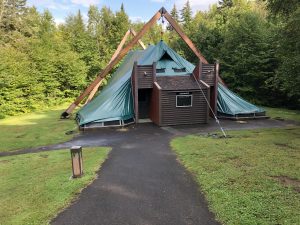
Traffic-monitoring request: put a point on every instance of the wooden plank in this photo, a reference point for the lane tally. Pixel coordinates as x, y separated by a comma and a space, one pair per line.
215, 94
132, 31
136, 92
154, 71
111, 65
183, 36
120, 46
93, 92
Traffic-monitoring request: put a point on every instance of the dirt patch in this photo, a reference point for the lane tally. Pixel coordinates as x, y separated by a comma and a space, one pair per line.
278, 118
284, 145
44, 156
288, 182
4, 161
21, 136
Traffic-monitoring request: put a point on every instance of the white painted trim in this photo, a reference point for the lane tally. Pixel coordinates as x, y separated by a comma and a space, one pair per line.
157, 85
185, 106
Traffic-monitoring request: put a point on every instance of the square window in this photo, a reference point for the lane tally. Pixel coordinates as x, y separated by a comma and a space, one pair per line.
184, 100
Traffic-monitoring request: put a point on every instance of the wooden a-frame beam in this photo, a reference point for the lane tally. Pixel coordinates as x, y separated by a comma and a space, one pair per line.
132, 31
124, 51
109, 67
120, 46
184, 37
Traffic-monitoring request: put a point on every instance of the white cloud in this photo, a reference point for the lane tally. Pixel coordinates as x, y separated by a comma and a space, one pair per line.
86, 3
59, 21
136, 19
196, 5
50, 4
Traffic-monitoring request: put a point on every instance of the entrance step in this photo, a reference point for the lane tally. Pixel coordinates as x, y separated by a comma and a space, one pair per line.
172, 130
145, 121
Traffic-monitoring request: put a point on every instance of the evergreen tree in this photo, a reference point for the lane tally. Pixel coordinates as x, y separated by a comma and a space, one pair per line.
93, 20
283, 7
121, 25
186, 14
47, 24
225, 3
11, 15
174, 13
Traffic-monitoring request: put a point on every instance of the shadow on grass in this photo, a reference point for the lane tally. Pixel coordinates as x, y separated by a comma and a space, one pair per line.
34, 130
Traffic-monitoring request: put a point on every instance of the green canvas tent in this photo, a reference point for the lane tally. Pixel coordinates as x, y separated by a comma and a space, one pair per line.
115, 102
231, 105
114, 105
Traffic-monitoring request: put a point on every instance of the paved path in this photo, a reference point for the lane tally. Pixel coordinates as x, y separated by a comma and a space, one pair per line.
140, 184
109, 136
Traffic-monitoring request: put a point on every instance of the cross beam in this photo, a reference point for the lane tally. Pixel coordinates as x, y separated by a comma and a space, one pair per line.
124, 39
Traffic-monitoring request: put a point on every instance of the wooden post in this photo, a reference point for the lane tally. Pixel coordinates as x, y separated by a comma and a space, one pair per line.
200, 70
215, 94
130, 31
154, 72
136, 92
197, 71
76, 158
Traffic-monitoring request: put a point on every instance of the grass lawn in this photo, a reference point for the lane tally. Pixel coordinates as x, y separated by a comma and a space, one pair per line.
34, 187
34, 129
286, 114
251, 178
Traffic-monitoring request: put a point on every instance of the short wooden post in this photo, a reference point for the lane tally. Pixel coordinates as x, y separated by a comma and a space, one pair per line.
76, 158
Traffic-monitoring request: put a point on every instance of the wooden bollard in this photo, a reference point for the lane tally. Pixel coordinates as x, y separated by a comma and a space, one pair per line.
76, 158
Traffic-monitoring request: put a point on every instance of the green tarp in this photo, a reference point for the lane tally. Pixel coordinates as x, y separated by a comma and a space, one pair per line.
230, 104
115, 101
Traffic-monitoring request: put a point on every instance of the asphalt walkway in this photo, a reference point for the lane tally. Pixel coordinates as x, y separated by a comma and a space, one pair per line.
141, 183
112, 136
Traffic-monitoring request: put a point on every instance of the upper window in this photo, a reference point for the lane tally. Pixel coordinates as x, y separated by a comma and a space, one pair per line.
179, 70
184, 100
162, 70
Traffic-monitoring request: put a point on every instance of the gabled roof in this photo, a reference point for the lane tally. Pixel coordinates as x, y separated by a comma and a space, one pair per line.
178, 83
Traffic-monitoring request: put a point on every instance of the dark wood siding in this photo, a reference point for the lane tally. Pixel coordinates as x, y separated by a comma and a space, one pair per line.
154, 105
208, 74
172, 115
145, 76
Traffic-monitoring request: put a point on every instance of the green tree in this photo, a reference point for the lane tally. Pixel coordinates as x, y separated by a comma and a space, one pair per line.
121, 25
174, 13
225, 3
186, 14
283, 7
11, 14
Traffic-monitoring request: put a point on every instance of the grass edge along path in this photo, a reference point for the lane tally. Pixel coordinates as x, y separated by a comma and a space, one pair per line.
36, 186
241, 177
281, 113
35, 129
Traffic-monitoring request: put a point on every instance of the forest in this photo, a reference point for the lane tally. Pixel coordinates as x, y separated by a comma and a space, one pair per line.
43, 64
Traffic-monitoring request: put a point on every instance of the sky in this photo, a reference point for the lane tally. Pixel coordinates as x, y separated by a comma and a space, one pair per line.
141, 10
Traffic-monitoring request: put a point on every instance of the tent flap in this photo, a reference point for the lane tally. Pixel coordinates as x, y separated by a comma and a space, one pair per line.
230, 104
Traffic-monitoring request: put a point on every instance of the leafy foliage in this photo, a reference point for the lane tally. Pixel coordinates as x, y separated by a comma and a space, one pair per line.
256, 42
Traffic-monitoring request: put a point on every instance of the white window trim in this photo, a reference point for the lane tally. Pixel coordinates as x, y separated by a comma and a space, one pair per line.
185, 106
